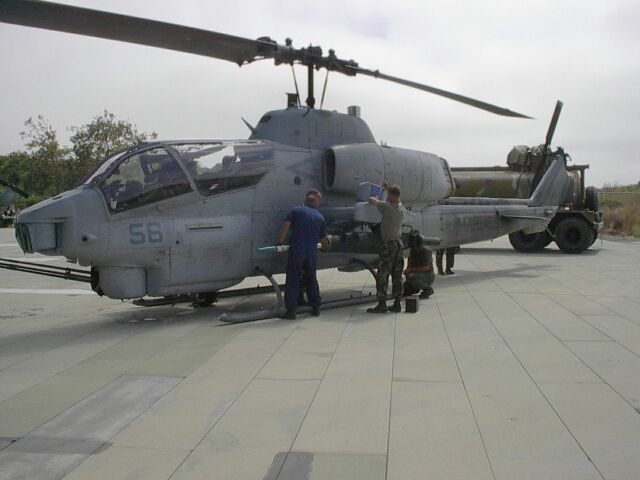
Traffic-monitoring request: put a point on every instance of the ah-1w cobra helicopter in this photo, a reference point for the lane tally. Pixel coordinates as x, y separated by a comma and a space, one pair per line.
184, 217
8, 195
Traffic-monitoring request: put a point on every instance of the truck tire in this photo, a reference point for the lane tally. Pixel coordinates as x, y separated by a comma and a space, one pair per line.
528, 243
591, 199
573, 235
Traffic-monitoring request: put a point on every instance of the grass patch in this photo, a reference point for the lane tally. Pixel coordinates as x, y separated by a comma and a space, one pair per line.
620, 205
622, 220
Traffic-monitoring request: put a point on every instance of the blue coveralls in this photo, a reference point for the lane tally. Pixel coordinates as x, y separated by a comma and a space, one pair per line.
308, 228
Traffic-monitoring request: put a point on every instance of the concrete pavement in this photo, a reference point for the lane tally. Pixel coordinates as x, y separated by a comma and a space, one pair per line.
520, 366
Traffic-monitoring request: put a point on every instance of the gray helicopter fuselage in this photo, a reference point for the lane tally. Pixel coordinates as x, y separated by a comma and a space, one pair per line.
159, 220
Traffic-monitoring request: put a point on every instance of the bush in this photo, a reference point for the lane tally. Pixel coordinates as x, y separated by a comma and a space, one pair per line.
622, 220
610, 203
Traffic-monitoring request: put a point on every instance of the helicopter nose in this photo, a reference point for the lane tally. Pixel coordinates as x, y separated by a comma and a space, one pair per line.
46, 226
37, 237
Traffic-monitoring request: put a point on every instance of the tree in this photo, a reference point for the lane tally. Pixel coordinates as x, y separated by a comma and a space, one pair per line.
45, 169
16, 169
102, 137
12, 168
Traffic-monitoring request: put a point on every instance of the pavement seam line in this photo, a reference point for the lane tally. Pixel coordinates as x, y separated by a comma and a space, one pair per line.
125, 426
315, 394
90, 393
568, 349
232, 403
393, 364
546, 399
595, 327
466, 392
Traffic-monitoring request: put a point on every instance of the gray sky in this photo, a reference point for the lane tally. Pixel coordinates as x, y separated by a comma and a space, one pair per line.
521, 55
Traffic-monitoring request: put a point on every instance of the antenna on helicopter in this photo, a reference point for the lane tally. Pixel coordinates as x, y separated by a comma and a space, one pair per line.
324, 89
249, 126
242, 51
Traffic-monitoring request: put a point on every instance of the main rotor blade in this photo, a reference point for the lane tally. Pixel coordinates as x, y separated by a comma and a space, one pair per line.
554, 122
437, 91
112, 26
124, 28
19, 191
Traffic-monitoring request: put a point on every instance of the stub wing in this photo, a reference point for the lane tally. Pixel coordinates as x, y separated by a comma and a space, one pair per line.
529, 223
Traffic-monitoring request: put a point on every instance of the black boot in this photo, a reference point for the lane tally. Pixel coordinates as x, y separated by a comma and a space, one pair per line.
289, 315
426, 293
315, 311
409, 290
380, 308
396, 307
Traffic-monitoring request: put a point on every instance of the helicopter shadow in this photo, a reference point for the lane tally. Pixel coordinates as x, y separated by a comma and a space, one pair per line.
103, 327
469, 277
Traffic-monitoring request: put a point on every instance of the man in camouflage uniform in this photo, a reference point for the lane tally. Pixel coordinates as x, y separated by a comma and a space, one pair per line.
391, 261
450, 254
419, 272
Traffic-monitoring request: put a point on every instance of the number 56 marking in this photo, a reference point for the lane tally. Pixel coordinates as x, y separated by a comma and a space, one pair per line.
138, 237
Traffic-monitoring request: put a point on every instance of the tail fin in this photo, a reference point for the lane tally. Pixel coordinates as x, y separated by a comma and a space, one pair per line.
553, 186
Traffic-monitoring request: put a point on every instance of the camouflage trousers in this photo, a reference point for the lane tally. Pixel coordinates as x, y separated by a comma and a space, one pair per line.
417, 281
391, 263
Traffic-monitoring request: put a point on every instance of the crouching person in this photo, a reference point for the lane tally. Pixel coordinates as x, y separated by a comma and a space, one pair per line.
419, 272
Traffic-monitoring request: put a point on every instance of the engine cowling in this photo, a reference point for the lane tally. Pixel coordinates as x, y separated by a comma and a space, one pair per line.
423, 177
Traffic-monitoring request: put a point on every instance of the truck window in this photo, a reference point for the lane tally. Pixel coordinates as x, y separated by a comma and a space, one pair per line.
218, 167
143, 178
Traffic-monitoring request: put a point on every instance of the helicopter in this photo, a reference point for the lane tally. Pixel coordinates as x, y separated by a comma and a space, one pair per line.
7, 199
188, 217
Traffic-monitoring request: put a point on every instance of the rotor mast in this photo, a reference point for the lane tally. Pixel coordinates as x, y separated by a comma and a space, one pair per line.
311, 101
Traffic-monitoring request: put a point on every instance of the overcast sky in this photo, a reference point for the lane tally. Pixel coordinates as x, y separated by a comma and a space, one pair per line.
521, 55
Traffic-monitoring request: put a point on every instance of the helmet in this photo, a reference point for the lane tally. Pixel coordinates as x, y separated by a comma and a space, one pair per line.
415, 239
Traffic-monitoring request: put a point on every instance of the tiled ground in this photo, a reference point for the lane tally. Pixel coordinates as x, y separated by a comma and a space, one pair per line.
520, 367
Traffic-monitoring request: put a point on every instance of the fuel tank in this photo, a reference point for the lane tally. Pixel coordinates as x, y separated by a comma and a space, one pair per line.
504, 182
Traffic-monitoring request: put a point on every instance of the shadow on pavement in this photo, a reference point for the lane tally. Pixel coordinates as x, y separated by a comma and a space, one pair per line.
546, 253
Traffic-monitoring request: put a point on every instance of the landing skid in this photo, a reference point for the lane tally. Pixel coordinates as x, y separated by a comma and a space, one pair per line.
191, 298
232, 318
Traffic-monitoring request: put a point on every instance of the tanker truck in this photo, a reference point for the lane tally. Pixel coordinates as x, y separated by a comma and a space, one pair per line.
576, 225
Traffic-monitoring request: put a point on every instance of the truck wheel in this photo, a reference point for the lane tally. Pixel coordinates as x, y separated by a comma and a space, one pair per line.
573, 235
529, 243
591, 199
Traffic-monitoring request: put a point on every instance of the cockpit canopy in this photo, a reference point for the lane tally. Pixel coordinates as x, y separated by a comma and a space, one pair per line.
160, 171
217, 168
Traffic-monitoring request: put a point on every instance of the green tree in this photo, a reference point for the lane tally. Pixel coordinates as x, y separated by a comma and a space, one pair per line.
12, 168
45, 170
16, 169
103, 136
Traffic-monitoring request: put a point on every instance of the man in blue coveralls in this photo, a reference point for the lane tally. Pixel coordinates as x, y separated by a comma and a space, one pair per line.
308, 229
